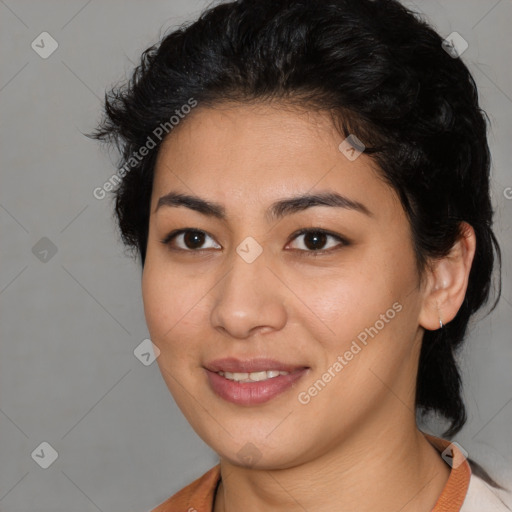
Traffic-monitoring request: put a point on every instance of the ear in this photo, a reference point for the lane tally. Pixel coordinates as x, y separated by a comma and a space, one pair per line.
446, 281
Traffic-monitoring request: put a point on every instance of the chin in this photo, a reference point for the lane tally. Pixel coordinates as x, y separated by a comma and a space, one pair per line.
257, 453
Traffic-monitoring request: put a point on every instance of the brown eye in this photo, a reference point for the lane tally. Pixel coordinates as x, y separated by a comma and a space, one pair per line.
193, 239
188, 240
315, 240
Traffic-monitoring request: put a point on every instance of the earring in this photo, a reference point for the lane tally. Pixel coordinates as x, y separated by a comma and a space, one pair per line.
439, 313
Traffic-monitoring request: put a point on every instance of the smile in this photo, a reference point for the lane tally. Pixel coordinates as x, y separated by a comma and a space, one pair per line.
251, 382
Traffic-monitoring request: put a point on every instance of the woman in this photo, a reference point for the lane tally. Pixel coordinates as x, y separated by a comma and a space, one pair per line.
307, 185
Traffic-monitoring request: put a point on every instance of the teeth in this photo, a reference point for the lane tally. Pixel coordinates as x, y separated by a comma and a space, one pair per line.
257, 376
252, 377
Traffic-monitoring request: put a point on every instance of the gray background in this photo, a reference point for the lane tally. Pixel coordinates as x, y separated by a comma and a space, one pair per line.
69, 325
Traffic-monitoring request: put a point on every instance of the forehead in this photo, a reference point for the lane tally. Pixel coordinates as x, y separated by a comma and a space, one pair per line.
259, 152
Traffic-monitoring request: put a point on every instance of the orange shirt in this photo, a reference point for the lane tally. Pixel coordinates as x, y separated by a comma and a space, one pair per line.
199, 495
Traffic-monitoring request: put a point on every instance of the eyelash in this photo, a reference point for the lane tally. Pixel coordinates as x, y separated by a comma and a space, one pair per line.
343, 241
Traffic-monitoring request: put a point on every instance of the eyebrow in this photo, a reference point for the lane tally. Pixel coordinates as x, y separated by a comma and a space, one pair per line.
276, 210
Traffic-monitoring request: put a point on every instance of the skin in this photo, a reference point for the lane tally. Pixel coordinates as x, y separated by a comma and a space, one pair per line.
355, 445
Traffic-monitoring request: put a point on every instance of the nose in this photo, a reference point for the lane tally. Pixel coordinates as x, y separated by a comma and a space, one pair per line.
250, 299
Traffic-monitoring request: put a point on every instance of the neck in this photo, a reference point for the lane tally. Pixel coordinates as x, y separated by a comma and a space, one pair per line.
399, 470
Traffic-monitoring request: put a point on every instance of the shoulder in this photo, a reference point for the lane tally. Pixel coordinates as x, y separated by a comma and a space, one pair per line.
483, 497
195, 497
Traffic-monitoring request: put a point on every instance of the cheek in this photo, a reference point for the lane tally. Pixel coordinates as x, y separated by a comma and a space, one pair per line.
170, 317
345, 301
157, 304
171, 304
368, 310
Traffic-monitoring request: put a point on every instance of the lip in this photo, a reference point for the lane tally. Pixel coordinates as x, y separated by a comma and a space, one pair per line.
251, 393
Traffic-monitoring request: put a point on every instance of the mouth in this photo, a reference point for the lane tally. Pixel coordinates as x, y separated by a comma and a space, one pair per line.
252, 381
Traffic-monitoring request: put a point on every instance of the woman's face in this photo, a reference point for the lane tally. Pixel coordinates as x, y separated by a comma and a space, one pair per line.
324, 324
